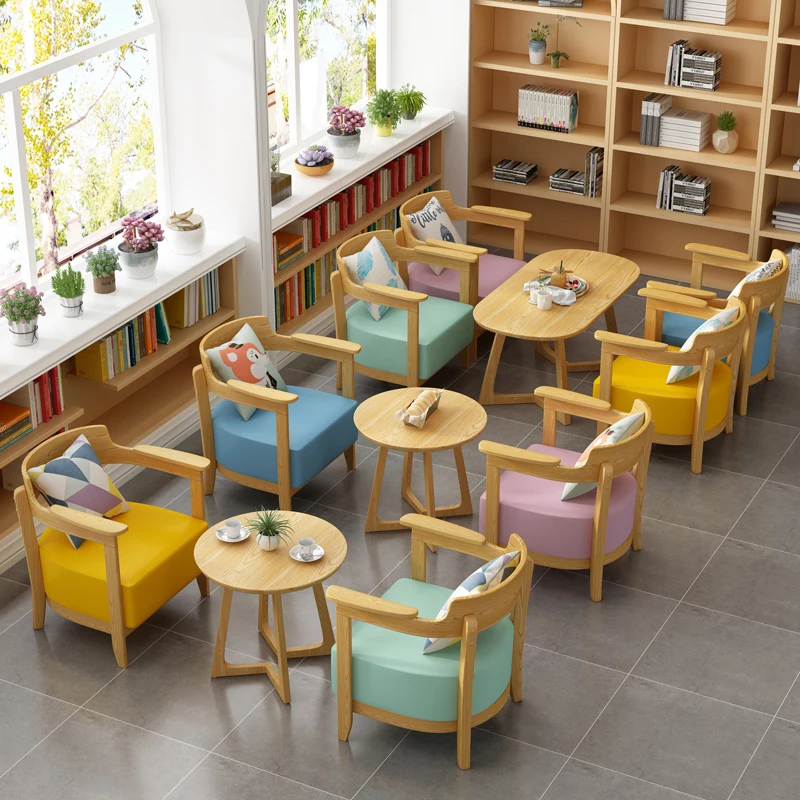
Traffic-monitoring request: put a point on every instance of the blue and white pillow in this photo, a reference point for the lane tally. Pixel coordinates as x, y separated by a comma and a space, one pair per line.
485, 577
433, 222
719, 321
373, 265
758, 274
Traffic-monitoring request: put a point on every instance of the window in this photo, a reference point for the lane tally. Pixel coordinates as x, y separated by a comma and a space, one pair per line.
320, 53
79, 92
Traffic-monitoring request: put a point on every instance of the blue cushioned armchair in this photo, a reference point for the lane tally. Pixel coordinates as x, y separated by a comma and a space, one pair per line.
293, 435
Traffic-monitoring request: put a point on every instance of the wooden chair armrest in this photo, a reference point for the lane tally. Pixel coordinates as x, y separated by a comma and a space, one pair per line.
390, 296
174, 462
325, 347
441, 252
611, 339
464, 248
252, 395
577, 404
80, 523
349, 601
719, 252
505, 213
525, 458
684, 299
447, 531
703, 294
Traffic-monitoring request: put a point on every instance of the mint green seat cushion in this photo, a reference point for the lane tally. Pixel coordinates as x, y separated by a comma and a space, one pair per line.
445, 329
391, 673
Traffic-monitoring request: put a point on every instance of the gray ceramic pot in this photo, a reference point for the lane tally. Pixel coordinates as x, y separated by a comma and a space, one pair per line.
138, 265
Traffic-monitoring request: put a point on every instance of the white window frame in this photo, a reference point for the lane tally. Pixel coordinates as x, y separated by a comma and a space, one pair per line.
10, 86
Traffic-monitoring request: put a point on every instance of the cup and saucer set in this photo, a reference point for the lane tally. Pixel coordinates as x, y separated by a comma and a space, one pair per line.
305, 551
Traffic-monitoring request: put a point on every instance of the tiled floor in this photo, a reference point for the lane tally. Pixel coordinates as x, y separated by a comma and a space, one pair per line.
682, 683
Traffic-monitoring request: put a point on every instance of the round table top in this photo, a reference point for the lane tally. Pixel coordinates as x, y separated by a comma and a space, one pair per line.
245, 567
457, 421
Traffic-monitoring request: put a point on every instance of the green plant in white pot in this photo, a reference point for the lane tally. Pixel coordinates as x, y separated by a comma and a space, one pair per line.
270, 527
69, 285
139, 252
537, 43
22, 306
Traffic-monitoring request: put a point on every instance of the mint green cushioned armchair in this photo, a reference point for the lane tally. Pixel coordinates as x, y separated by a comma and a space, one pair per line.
378, 667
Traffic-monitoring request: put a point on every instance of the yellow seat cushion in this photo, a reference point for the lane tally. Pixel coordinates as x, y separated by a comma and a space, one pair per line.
156, 560
672, 404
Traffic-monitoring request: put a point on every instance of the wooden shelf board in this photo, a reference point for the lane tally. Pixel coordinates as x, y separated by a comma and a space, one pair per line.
782, 167
181, 339
729, 93
576, 71
790, 36
39, 434
719, 217
293, 325
592, 9
741, 159
771, 232
506, 122
538, 187
351, 230
536, 242
737, 28
787, 102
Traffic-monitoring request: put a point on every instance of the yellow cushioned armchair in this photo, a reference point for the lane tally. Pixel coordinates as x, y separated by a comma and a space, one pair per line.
128, 566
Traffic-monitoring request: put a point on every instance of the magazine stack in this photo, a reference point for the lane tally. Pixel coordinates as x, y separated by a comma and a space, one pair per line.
716, 12
786, 217
689, 194
685, 130
510, 171
568, 180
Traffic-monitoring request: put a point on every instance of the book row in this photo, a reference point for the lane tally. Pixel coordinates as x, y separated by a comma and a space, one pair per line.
688, 194
32, 405
548, 109
194, 302
692, 68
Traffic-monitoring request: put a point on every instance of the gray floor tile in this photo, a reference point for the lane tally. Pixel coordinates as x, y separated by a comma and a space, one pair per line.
675, 739
518, 353
612, 633
791, 705
153, 487
788, 470
15, 603
580, 781
91, 757
26, 717
18, 572
174, 610
724, 657
296, 377
298, 741
562, 698
171, 692
331, 475
566, 437
751, 582
790, 317
774, 772
776, 400
425, 766
787, 359
771, 519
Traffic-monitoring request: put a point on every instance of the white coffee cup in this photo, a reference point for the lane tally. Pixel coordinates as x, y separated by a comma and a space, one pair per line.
544, 300
534, 294
233, 529
306, 548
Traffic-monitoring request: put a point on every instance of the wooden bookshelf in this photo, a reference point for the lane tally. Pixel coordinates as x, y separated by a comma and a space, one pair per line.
39, 434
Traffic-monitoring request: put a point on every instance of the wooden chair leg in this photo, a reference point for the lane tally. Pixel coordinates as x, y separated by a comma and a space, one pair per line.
697, 454
350, 457
115, 604
466, 675
29, 539
344, 679
202, 585
210, 478
596, 582
744, 392
339, 376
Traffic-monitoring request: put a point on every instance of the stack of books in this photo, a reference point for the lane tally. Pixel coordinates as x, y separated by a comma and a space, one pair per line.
673, 9
15, 422
654, 106
510, 171
689, 194
43, 397
548, 109
793, 288
288, 246
685, 130
716, 12
568, 180
561, 3
189, 305
701, 69
594, 172
786, 217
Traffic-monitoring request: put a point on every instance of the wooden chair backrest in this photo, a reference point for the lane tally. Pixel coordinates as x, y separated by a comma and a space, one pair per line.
417, 203
769, 290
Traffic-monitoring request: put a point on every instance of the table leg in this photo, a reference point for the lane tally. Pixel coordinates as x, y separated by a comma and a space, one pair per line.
429, 507
611, 320
488, 396
220, 668
280, 676
374, 522
562, 375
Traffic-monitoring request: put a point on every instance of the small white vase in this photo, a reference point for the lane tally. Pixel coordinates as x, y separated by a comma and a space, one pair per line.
186, 243
536, 51
71, 306
725, 142
23, 334
268, 542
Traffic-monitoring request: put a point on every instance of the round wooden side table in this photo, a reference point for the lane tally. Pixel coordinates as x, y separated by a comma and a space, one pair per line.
456, 422
245, 567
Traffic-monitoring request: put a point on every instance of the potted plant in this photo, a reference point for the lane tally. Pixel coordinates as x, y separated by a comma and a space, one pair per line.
726, 139
411, 101
344, 134
68, 284
186, 232
383, 111
22, 305
270, 528
556, 57
280, 182
139, 251
537, 43
103, 264
315, 160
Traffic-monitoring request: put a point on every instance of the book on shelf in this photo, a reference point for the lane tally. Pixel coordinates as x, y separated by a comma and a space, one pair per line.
786, 216
510, 171
673, 9
193, 302
692, 68
654, 106
15, 422
561, 3
593, 172
716, 12
685, 130
549, 109
688, 194
569, 181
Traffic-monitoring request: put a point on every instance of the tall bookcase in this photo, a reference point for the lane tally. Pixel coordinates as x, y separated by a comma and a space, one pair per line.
618, 56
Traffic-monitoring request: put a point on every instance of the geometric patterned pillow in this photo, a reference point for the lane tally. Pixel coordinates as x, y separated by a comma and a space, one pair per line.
485, 577
77, 480
716, 323
758, 274
373, 265
433, 222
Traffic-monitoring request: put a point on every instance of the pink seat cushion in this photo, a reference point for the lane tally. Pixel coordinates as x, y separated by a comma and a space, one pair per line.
533, 508
492, 271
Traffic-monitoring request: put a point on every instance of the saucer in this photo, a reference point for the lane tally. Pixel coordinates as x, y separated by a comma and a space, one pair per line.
316, 556
222, 536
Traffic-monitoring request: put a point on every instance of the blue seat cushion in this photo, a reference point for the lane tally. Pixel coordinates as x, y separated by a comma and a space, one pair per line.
321, 428
445, 328
390, 671
677, 328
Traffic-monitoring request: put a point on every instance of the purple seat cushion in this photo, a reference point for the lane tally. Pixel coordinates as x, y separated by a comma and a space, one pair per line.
533, 508
492, 271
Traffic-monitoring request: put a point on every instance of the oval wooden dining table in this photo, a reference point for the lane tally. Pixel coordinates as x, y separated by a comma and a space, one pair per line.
507, 312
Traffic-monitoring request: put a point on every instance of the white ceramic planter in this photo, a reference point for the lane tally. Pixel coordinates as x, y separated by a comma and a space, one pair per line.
71, 306
536, 51
139, 265
185, 243
23, 334
344, 146
725, 142
268, 542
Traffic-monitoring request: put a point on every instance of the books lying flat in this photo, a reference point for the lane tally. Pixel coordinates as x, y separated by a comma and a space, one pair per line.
510, 171
685, 130
654, 106
548, 109
561, 3
716, 12
786, 216
568, 180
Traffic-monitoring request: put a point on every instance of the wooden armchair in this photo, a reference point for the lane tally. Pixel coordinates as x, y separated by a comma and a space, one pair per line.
691, 411
294, 435
378, 671
418, 334
763, 300
129, 566
586, 532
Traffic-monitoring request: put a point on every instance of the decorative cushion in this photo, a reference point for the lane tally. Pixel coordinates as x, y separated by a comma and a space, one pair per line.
620, 430
321, 428
77, 480
244, 359
433, 222
487, 576
532, 508
445, 329
156, 560
492, 271
373, 265
390, 671
766, 270
719, 321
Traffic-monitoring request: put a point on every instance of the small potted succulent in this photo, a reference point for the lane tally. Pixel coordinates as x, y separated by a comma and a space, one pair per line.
411, 100
139, 251
68, 284
315, 160
280, 182
384, 112
270, 528
344, 134
556, 57
186, 233
725, 139
103, 264
21, 305
537, 43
